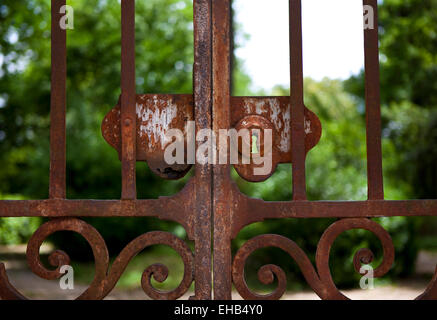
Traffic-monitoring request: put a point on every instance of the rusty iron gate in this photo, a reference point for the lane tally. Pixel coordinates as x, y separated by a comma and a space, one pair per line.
210, 207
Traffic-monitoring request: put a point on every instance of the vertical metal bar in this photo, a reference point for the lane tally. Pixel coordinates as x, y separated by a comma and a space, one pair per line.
222, 204
57, 188
297, 102
128, 101
203, 177
373, 110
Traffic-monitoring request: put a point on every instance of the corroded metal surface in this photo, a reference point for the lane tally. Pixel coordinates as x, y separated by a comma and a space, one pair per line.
210, 206
297, 101
159, 113
222, 197
155, 116
272, 113
202, 89
373, 109
58, 104
128, 118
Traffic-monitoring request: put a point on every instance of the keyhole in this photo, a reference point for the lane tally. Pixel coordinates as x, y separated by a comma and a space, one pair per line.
255, 144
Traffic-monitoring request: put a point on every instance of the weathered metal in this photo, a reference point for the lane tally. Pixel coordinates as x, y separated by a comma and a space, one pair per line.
373, 108
202, 181
321, 280
222, 197
297, 103
57, 188
210, 207
158, 113
128, 116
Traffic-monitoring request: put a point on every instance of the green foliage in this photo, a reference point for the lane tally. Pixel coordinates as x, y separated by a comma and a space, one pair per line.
16, 230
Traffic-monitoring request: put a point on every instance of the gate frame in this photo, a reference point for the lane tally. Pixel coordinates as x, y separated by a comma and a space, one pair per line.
211, 200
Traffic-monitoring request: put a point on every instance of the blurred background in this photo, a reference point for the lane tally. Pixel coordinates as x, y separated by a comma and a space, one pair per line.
334, 90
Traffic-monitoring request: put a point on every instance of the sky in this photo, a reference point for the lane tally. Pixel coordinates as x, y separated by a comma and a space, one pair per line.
332, 39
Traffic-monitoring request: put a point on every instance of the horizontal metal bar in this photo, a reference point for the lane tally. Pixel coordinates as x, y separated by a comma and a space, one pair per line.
158, 207
164, 208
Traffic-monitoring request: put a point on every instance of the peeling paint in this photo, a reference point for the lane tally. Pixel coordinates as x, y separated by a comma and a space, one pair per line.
281, 121
260, 107
308, 126
275, 112
285, 143
156, 123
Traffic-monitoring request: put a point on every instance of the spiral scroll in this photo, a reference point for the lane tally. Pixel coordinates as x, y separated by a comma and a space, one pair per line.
103, 281
321, 281
60, 258
361, 256
267, 272
158, 271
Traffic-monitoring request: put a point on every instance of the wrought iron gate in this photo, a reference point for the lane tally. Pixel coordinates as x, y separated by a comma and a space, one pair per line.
210, 206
